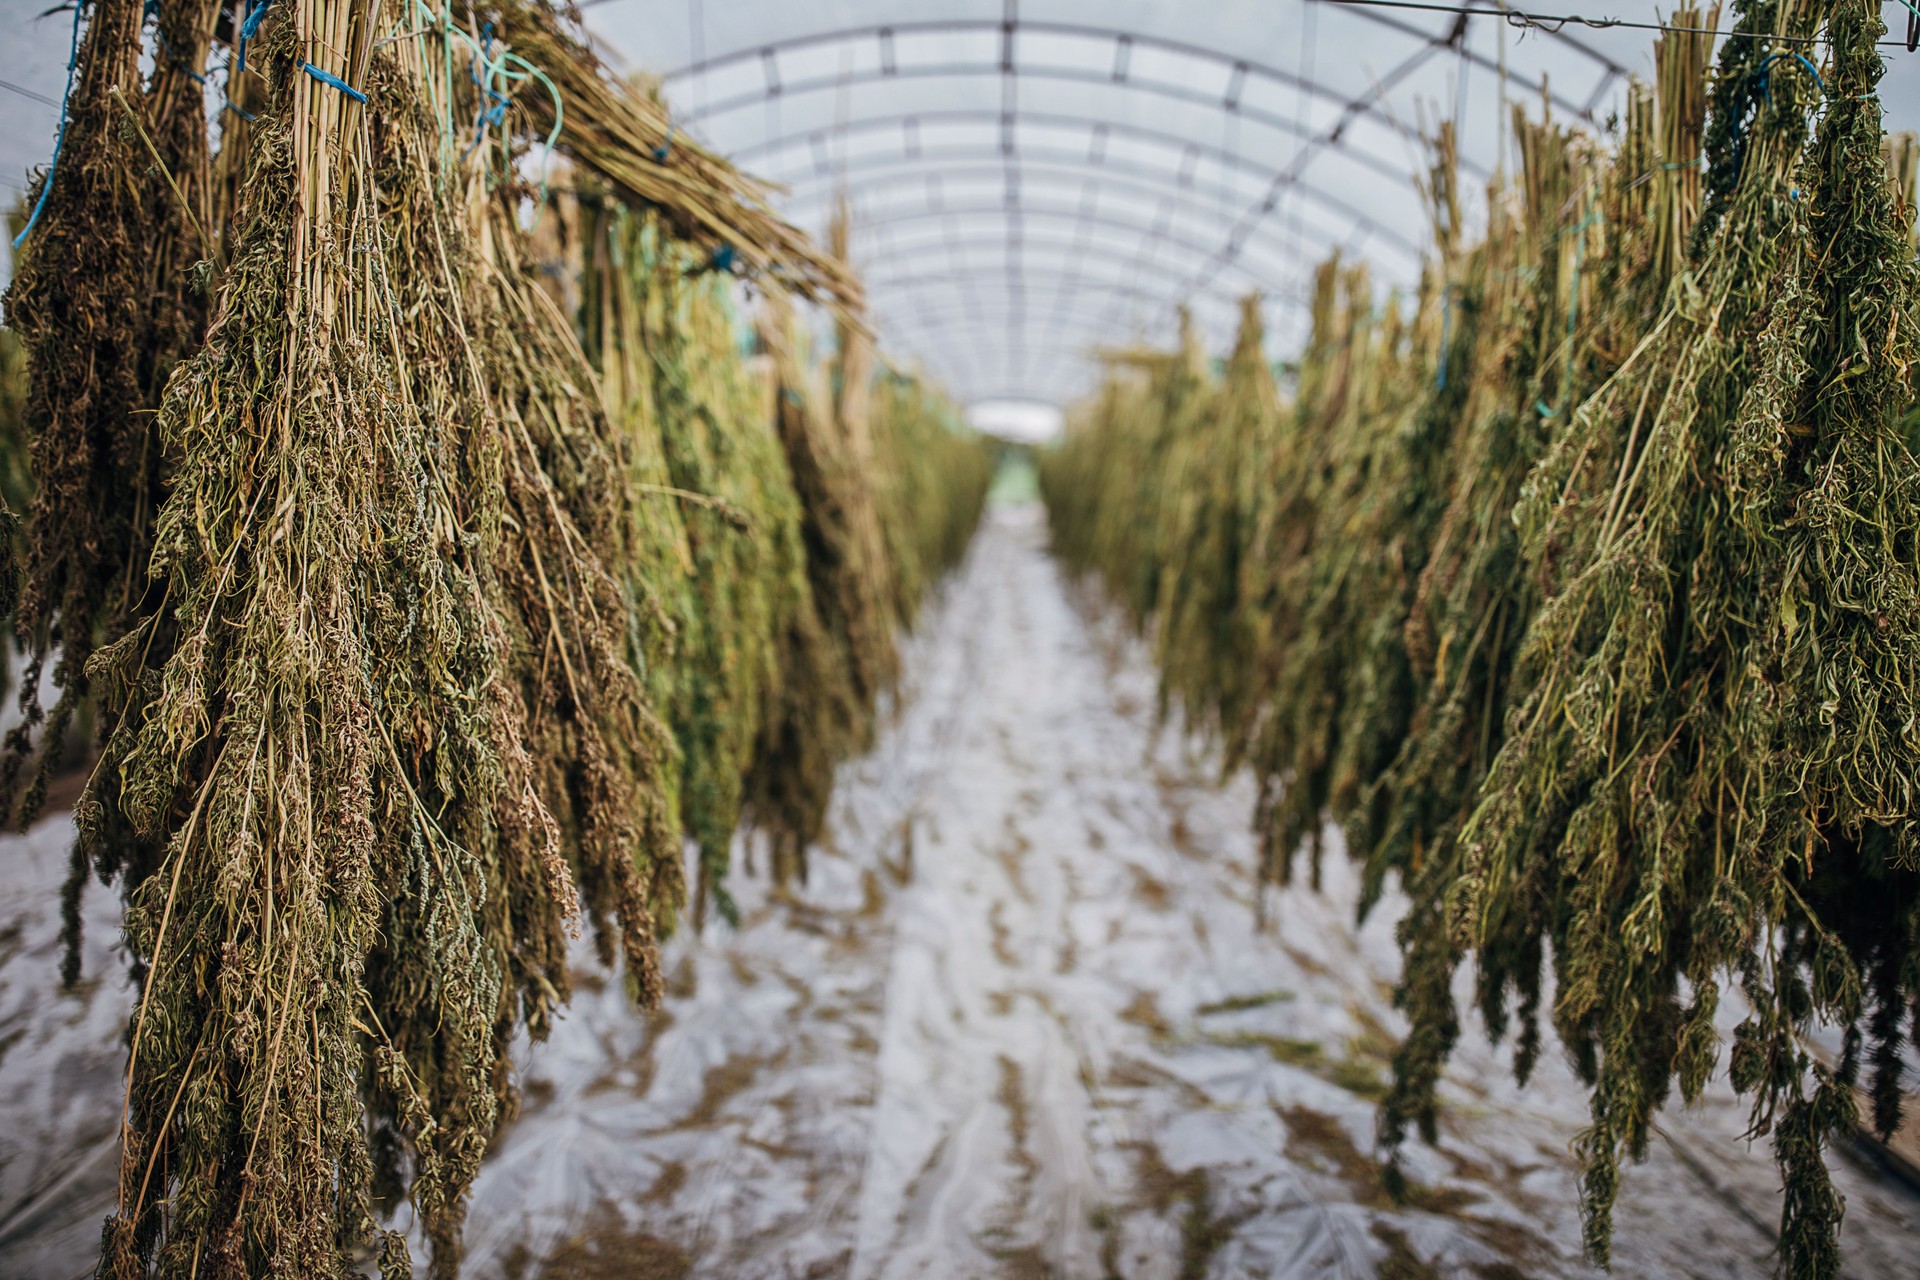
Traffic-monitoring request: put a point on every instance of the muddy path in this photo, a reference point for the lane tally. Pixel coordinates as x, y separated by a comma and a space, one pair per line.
1020, 1023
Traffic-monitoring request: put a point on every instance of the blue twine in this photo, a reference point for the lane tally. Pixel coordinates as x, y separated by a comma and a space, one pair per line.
723, 258
333, 81
250, 27
59, 138
226, 103
1761, 79
496, 67
1446, 335
1765, 75
153, 12
496, 113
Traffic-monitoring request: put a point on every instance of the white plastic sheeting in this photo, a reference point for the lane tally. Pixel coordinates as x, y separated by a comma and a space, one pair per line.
1021, 1023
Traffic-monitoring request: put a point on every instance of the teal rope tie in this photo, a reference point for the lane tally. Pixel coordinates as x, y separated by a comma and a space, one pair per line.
60, 137
333, 81
226, 103
250, 27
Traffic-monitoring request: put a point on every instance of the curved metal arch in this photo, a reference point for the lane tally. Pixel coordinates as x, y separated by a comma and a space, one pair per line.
1062, 119
960, 315
880, 286
1045, 317
1065, 362
1009, 28
1045, 213
1077, 320
991, 340
920, 251
1274, 237
1089, 173
1063, 75
1493, 9
1085, 311
1052, 162
1002, 381
1063, 367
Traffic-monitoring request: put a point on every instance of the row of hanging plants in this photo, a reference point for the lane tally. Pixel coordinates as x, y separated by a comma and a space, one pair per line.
1580, 594
430, 556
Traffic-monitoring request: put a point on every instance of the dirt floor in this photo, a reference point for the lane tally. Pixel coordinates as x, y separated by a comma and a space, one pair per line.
1021, 1023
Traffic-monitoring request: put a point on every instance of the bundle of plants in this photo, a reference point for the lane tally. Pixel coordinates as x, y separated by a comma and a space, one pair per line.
933, 474
1111, 498
625, 136
1203, 639
1363, 542
838, 655
578, 555
308, 792
1083, 469
111, 272
386, 719
1710, 775
1369, 461
16, 487
1133, 531
664, 331
930, 473
1574, 270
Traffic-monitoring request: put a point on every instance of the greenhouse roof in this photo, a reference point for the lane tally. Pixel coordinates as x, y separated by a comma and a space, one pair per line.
1031, 179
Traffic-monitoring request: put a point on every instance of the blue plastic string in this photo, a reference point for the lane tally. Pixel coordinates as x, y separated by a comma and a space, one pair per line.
486, 115
333, 81
1763, 72
1761, 79
226, 103
250, 27
59, 138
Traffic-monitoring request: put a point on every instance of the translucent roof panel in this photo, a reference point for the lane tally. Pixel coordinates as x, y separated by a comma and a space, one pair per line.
1034, 178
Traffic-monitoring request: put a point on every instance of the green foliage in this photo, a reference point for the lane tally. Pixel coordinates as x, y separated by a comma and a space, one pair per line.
413, 632
1594, 618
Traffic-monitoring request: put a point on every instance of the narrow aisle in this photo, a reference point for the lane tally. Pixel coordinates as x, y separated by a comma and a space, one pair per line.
1021, 1023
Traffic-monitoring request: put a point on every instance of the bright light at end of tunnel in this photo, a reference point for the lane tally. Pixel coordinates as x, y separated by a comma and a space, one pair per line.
1027, 421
